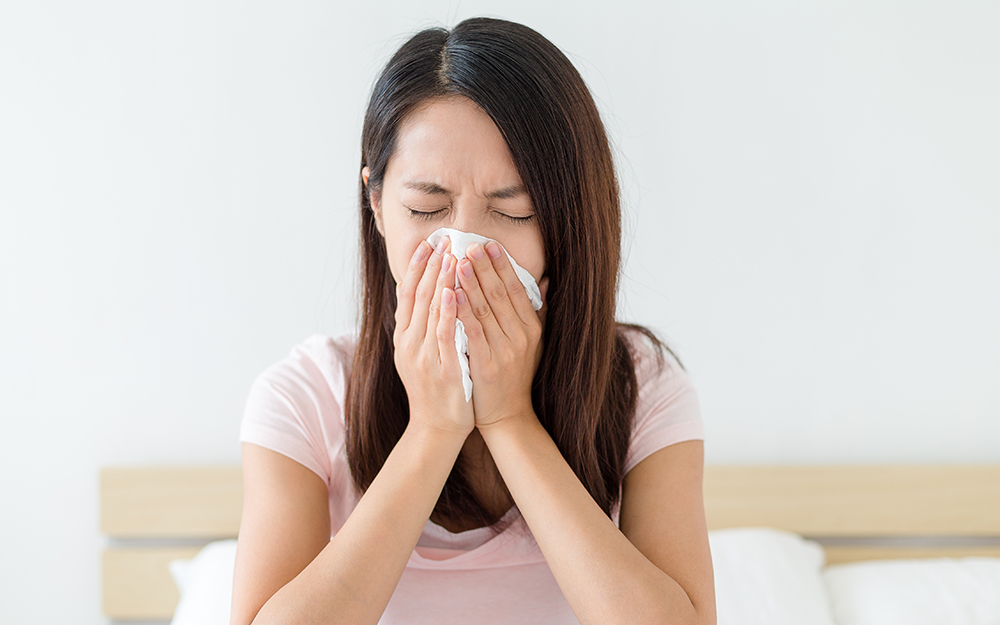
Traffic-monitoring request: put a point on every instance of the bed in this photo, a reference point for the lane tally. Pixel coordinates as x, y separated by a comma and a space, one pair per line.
788, 542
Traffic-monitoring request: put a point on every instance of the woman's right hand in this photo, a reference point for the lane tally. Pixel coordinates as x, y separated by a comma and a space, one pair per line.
289, 569
424, 341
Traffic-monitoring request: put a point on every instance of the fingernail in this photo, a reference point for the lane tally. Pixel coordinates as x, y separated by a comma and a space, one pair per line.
493, 249
422, 252
476, 251
447, 296
460, 296
446, 265
442, 245
467, 269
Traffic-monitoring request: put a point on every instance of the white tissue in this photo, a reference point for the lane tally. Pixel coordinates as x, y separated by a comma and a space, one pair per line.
460, 242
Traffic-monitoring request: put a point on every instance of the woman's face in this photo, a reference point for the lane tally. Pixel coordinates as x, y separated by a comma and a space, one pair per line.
451, 168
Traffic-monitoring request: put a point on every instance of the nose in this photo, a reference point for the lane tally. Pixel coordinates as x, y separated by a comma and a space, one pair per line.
462, 218
466, 219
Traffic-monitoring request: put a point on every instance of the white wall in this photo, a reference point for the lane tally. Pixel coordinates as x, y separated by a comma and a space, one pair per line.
813, 218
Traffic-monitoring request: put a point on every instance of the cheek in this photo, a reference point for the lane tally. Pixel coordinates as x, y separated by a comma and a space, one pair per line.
528, 254
536, 269
399, 259
400, 246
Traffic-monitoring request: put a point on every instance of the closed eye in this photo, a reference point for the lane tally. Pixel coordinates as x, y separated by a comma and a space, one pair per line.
511, 218
425, 215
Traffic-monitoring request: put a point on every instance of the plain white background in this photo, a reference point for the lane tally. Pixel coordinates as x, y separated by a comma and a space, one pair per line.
812, 219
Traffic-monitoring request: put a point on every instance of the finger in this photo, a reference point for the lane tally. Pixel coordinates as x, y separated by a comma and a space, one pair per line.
543, 287
478, 305
425, 289
446, 280
406, 289
492, 287
446, 328
478, 345
516, 291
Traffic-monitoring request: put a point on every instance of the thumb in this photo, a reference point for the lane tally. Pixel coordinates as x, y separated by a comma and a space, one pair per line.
543, 288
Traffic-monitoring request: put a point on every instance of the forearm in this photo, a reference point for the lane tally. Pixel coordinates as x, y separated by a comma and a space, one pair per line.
603, 576
353, 578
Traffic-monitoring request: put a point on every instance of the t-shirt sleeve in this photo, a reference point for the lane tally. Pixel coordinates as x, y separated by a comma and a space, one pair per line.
292, 409
667, 409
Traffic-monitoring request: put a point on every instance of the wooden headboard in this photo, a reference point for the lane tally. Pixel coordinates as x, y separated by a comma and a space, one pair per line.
152, 515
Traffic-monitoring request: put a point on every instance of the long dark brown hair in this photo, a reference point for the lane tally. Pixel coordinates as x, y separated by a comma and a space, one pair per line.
584, 391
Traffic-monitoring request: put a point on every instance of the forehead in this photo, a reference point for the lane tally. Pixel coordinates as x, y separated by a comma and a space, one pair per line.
452, 140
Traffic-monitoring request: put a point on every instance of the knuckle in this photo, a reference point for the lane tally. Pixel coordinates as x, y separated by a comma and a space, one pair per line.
424, 291
416, 262
482, 310
499, 291
474, 331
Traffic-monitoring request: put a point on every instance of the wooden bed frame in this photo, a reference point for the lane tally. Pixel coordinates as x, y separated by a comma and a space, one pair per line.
152, 515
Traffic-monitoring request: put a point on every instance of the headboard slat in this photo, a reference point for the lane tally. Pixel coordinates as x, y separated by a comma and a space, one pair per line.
137, 582
842, 554
171, 502
897, 500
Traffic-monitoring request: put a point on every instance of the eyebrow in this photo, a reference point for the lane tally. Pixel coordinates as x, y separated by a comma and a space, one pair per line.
431, 188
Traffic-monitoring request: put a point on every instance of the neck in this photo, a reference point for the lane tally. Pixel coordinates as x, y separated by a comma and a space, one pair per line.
485, 481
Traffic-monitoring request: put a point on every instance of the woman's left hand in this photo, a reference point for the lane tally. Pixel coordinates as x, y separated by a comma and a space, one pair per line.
505, 334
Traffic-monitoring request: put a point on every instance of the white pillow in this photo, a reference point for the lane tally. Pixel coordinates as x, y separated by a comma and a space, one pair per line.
762, 577
956, 591
206, 585
768, 577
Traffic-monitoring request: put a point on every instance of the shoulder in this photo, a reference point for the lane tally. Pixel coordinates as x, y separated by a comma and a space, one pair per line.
658, 372
318, 357
667, 409
318, 366
296, 405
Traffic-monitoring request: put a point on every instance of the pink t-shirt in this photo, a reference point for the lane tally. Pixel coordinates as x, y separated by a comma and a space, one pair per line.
296, 408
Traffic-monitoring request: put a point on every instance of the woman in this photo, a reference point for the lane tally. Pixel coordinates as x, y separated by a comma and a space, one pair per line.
501, 509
